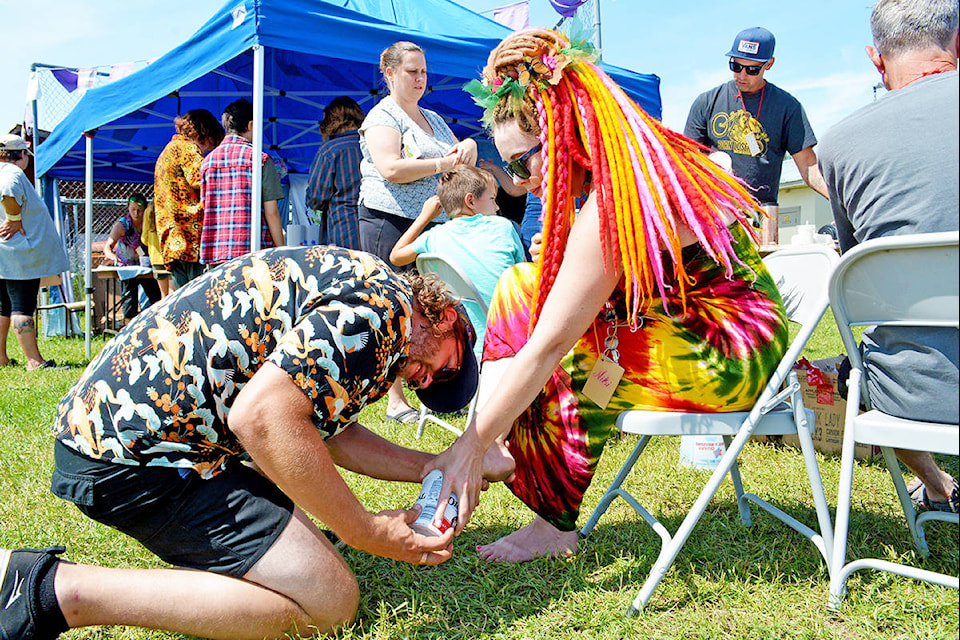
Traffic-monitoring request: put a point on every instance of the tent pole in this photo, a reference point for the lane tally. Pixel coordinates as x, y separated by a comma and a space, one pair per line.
255, 222
596, 26
36, 143
88, 244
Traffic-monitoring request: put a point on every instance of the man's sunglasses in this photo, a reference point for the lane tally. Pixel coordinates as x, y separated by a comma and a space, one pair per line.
518, 168
751, 69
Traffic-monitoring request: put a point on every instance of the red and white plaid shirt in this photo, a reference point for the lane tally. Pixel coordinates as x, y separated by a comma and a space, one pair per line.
226, 192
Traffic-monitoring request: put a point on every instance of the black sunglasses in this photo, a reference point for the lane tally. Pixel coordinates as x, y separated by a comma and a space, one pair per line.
447, 374
751, 69
518, 168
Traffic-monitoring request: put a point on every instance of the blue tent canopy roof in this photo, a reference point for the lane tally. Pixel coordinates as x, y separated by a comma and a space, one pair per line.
314, 50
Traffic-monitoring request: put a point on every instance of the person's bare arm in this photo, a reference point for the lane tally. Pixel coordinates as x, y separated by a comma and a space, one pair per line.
806, 161
362, 451
385, 143
272, 419
582, 287
505, 181
10, 227
271, 214
110, 246
402, 253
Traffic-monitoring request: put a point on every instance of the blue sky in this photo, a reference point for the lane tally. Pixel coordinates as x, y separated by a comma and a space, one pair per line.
819, 54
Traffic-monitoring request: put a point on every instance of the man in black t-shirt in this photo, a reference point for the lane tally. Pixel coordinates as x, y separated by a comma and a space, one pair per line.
755, 123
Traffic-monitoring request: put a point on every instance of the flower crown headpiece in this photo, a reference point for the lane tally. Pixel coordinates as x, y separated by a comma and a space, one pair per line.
537, 71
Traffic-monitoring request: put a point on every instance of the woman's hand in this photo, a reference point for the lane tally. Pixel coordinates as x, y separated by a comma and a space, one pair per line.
12, 210
462, 467
465, 152
10, 228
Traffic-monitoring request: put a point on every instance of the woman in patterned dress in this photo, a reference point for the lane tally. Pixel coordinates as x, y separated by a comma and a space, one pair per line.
660, 256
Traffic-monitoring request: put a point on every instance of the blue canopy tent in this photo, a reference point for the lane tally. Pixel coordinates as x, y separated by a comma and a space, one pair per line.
313, 51
292, 57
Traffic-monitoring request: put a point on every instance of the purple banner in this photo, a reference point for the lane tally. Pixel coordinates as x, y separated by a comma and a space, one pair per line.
567, 8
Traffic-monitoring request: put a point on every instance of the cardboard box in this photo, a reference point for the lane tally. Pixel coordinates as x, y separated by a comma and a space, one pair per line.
830, 408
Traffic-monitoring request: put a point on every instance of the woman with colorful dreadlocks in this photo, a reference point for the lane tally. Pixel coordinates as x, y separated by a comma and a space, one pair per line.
654, 291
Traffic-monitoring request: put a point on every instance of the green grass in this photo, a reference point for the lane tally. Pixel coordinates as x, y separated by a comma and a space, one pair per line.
728, 582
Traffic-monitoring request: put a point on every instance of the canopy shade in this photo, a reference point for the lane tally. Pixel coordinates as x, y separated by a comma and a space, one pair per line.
314, 50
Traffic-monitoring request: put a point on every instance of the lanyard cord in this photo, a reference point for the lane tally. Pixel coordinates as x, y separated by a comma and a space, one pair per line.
931, 73
740, 95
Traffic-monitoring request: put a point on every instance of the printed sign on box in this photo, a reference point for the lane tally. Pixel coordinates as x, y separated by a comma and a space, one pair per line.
830, 408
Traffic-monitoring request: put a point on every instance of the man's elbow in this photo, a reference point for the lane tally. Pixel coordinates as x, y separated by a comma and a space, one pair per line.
249, 411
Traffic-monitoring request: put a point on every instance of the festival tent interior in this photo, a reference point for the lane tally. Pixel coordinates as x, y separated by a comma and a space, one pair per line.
291, 57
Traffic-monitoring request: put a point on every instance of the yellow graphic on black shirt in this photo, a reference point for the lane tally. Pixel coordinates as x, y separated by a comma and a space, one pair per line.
731, 130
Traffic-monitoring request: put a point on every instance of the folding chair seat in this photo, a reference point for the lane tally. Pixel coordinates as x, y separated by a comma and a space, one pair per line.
910, 281
461, 286
46, 308
802, 275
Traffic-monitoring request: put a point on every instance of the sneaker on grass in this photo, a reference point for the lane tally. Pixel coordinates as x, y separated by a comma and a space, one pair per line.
20, 572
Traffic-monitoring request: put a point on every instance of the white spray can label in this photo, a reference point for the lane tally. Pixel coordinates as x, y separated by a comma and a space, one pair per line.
429, 495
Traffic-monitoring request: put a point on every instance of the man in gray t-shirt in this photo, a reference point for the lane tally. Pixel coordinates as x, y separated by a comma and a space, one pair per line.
755, 123
891, 168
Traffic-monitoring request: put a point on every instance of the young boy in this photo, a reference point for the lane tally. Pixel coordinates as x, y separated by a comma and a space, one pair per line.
477, 240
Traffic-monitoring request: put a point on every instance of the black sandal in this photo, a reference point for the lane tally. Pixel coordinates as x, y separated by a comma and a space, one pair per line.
922, 502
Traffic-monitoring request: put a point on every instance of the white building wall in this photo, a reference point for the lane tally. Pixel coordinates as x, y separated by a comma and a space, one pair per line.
799, 204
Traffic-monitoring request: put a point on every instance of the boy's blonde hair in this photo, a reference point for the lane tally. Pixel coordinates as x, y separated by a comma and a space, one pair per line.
458, 182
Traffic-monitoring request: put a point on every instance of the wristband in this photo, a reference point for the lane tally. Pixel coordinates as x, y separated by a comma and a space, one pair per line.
439, 168
15, 218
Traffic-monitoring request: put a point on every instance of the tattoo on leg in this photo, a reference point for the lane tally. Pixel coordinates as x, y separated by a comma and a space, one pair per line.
24, 326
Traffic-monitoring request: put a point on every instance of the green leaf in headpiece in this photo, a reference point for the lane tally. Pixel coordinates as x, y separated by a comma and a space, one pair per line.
487, 96
581, 41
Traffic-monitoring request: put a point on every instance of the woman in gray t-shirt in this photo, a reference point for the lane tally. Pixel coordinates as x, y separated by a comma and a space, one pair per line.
30, 249
405, 147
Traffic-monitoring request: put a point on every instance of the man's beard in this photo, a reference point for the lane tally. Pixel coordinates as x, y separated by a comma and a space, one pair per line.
423, 344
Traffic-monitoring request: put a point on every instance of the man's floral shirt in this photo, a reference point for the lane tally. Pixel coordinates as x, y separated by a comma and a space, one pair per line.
160, 393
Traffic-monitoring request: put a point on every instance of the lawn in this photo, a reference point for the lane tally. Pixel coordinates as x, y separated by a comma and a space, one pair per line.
728, 582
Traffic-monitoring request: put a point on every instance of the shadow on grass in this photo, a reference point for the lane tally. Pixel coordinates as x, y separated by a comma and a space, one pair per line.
720, 546
466, 597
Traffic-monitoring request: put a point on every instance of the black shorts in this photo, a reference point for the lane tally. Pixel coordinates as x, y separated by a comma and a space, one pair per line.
18, 296
224, 524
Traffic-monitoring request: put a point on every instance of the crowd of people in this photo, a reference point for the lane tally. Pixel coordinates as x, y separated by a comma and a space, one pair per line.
216, 443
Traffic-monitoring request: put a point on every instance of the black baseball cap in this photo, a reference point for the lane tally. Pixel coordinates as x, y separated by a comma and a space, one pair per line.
454, 394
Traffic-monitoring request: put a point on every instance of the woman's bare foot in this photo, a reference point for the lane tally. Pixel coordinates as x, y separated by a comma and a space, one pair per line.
539, 539
498, 464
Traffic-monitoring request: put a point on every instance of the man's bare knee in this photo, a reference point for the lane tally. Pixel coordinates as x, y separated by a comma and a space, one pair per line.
338, 607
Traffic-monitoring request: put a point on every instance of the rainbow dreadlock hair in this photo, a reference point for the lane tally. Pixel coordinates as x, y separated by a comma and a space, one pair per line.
647, 177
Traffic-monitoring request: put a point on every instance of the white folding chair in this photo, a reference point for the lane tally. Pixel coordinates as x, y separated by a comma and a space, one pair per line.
909, 280
461, 286
801, 275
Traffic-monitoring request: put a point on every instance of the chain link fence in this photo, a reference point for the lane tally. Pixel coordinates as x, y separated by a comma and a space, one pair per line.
109, 205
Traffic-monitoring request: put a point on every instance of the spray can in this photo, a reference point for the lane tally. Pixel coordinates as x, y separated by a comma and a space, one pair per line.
427, 500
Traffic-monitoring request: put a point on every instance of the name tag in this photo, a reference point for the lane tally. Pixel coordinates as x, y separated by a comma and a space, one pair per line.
752, 143
603, 381
410, 148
